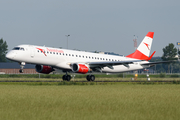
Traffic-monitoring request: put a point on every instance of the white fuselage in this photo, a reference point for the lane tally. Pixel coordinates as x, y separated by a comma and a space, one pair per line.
62, 58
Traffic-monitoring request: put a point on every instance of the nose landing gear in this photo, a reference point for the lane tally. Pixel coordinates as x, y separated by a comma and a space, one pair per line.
22, 66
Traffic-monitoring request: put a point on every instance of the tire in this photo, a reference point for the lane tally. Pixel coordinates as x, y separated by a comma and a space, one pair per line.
88, 77
68, 77
21, 70
64, 78
92, 77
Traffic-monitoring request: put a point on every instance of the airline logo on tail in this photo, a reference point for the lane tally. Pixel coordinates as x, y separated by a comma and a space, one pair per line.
147, 45
143, 50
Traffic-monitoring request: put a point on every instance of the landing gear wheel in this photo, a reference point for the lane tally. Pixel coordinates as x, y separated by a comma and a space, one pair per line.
21, 70
66, 77
90, 77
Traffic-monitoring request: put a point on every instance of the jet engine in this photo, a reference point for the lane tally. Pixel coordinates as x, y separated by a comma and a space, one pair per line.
43, 69
80, 68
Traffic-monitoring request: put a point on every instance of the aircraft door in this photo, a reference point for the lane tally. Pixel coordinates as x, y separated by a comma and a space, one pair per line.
32, 51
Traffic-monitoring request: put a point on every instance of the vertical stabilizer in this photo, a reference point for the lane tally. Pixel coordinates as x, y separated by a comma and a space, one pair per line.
143, 50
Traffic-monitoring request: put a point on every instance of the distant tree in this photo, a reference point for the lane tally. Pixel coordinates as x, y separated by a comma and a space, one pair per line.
178, 54
170, 53
3, 50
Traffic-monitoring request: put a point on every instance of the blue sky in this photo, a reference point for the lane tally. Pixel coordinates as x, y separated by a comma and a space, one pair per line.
101, 25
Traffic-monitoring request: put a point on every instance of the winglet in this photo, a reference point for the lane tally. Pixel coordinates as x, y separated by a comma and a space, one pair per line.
151, 56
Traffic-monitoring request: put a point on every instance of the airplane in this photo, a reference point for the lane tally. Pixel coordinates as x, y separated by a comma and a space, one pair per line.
46, 59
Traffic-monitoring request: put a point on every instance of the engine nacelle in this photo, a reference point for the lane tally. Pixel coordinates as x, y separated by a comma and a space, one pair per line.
44, 69
80, 68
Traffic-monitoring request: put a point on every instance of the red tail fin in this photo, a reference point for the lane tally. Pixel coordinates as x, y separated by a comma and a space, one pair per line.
143, 50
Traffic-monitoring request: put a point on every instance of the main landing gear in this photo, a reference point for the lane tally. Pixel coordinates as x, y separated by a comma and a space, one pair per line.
90, 77
66, 77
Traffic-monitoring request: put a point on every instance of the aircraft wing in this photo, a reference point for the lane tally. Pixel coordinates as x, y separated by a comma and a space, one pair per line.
110, 64
154, 63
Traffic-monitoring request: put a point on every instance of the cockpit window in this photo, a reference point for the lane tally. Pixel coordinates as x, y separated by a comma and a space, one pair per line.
22, 49
18, 48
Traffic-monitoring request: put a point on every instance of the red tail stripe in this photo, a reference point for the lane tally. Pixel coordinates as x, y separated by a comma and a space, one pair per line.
138, 55
150, 34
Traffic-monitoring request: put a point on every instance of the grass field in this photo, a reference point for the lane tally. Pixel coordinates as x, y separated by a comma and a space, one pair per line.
87, 102
80, 77
84, 79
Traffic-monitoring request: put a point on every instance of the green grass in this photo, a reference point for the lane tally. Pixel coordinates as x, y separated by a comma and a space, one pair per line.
84, 79
79, 76
87, 102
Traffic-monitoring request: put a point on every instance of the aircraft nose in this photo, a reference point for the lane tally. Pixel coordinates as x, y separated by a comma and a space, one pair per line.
9, 55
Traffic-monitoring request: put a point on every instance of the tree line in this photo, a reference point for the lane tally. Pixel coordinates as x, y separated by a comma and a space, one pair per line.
3, 50
170, 52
